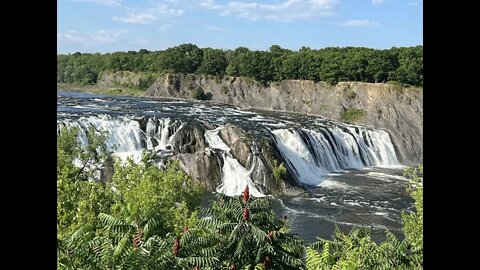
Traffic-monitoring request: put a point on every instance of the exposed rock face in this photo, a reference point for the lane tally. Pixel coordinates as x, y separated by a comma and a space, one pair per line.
189, 139
203, 165
120, 78
399, 111
267, 151
238, 142
189, 148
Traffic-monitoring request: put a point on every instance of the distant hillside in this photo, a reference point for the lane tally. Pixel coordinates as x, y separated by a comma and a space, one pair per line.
403, 65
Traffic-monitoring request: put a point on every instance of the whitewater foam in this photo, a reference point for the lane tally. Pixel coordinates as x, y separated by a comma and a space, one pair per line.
235, 177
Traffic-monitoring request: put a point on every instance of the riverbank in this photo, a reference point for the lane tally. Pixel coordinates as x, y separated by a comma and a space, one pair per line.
94, 89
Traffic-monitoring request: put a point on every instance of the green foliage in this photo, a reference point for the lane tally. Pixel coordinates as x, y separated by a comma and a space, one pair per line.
278, 170
145, 82
225, 89
410, 65
214, 62
351, 94
144, 188
249, 242
147, 218
357, 251
403, 65
132, 245
353, 115
80, 198
185, 58
135, 191
413, 222
198, 94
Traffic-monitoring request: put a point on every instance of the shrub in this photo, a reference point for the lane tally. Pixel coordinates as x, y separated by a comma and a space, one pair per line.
145, 82
353, 115
198, 94
225, 89
278, 170
351, 94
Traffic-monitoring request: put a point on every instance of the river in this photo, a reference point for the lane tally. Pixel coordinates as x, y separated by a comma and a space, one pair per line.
351, 172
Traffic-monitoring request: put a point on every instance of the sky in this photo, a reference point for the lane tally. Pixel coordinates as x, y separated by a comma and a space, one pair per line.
91, 26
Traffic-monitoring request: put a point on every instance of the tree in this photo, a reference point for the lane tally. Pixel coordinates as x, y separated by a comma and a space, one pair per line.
213, 62
333, 64
169, 192
379, 66
79, 200
256, 64
410, 69
413, 222
236, 61
250, 235
185, 58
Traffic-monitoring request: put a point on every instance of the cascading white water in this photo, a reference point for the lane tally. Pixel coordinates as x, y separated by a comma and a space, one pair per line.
312, 154
125, 134
234, 176
296, 153
158, 129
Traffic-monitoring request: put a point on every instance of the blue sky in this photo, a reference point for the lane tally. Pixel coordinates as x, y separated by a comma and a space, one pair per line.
122, 25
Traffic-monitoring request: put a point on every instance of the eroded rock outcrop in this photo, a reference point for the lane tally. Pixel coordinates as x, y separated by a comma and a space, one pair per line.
238, 142
203, 165
382, 106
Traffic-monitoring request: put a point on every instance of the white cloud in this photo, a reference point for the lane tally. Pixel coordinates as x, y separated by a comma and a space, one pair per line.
289, 10
378, 2
108, 3
216, 28
360, 23
89, 39
150, 14
415, 4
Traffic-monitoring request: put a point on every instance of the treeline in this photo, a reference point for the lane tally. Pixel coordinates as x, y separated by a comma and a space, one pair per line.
150, 218
403, 65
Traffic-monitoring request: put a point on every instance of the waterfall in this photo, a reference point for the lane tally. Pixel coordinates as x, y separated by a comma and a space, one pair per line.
257, 167
234, 176
312, 154
124, 134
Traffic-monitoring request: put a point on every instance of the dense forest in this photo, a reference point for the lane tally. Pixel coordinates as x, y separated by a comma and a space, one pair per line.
145, 217
402, 65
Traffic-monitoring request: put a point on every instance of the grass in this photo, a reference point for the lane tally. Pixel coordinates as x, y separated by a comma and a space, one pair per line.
353, 115
117, 90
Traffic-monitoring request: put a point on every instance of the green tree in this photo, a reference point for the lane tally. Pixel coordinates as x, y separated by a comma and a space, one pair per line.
413, 222
257, 65
236, 61
250, 235
132, 244
410, 65
278, 56
169, 193
79, 200
213, 62
185, 58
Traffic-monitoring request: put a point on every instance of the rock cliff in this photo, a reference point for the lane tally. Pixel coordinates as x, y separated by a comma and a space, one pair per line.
397, 110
